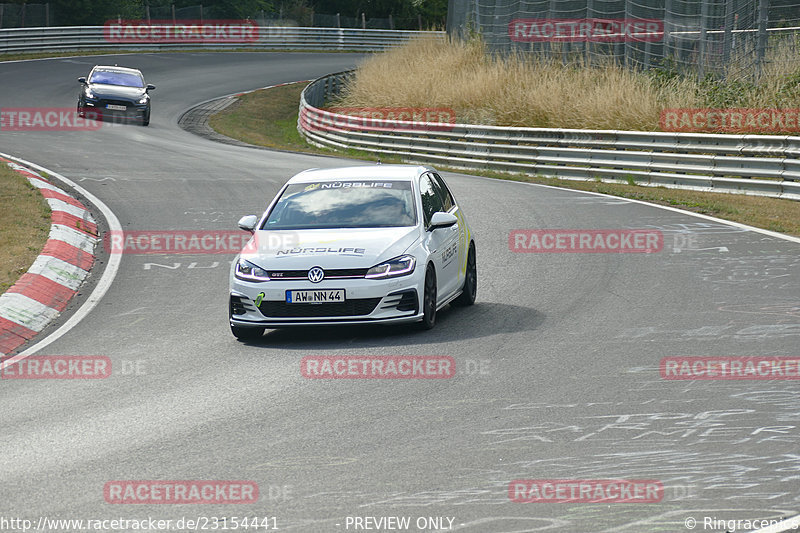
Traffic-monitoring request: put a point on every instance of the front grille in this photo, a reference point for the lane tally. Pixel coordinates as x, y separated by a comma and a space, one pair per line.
356, 307
105, 101
336, 273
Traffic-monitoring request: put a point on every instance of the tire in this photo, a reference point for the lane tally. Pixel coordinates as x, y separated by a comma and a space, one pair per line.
429, 299
146, 119
247, 334
470, 290
81, 112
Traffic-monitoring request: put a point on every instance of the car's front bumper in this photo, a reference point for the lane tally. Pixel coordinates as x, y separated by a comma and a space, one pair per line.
366, 301
97, 109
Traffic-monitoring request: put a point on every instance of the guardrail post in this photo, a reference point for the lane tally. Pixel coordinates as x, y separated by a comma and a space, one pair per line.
338, 20
46, 14
1, 15
363, 21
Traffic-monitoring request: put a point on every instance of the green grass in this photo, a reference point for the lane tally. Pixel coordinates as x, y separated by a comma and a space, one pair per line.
24, 225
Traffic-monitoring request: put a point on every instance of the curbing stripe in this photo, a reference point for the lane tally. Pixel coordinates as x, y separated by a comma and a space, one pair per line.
44, 291
51, 194
103, 284
60, 205
26, 311
73, 237
78, 223
12, 335
68, 253
59, 271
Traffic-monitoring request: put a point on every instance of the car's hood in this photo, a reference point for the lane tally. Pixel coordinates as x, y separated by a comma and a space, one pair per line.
341, 248
116, 91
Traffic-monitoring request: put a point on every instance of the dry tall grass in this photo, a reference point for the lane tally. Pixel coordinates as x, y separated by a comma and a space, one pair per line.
518, 91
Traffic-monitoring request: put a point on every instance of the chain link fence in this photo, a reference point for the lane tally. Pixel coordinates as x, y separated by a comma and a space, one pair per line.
25, 15
728, 38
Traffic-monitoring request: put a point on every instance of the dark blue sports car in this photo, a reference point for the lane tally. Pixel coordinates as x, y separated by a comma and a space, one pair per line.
115, 92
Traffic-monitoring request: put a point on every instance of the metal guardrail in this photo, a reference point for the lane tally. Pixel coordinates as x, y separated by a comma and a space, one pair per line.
69, 38
718, 163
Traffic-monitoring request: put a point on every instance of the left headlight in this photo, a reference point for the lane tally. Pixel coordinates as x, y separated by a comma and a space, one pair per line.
247, 271
143, 99
399, 266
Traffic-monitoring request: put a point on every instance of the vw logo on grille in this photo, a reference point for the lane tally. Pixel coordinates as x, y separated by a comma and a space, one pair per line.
315, 275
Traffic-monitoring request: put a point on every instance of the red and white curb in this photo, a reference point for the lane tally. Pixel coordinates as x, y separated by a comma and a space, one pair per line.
44, 291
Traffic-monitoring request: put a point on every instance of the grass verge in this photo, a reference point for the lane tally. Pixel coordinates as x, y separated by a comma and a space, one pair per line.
24, 225
269, 118
514, 90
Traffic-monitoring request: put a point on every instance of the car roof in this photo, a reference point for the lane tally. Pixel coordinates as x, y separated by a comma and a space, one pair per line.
370, 172
114, 68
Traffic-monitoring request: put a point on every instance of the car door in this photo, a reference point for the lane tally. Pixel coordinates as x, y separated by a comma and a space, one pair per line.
450, 206
442, 243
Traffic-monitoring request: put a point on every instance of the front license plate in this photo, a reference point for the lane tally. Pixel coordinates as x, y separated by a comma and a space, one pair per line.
315, 297
116, 107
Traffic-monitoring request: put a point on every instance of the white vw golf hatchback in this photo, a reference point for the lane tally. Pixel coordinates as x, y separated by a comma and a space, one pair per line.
366, 244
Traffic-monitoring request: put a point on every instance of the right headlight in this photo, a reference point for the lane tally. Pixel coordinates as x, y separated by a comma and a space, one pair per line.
399, 266
247, 271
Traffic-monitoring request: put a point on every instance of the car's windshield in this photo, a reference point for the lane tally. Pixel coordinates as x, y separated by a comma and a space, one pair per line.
344, 204
124, 79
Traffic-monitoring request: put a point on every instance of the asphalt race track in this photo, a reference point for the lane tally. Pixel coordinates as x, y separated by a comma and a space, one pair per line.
557, 363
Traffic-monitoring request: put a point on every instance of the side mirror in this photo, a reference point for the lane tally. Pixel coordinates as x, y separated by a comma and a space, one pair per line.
248, 223
150, 87
440, 219
82, 80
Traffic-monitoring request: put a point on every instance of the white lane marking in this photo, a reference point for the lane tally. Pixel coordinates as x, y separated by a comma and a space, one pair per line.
103, 284
668, 208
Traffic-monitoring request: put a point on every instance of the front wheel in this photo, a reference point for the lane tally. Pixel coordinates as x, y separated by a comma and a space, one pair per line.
429, 299
247, 334
470, 290
146, 119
